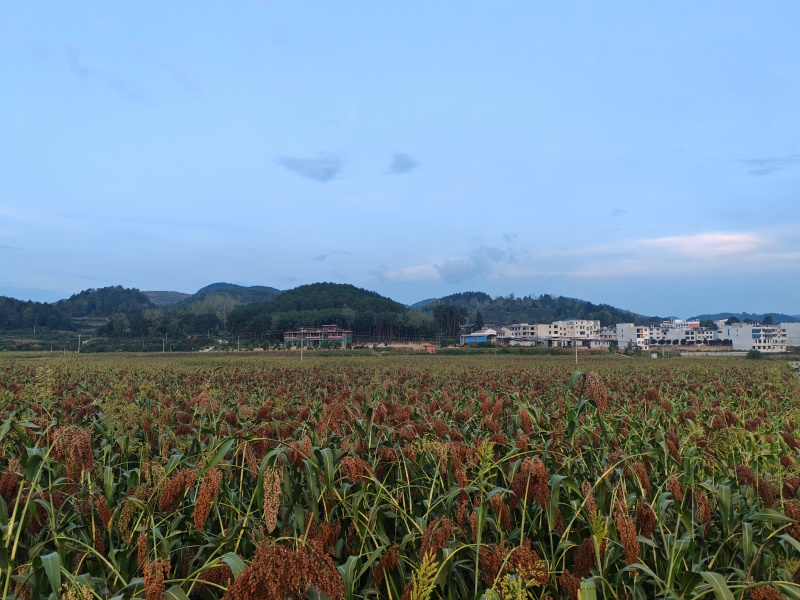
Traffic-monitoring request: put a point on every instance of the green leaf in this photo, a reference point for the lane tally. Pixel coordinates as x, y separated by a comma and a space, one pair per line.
325, 458
33, 457
235, 563
176, 593
769, 516
788, 590
495, 492
52, 567
718, 585
108, 484
787, 538
748, 548
348, 573
223, 449
85, 580
370, 559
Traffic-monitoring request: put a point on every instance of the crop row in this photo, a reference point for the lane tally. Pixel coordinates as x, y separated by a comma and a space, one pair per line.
407, 478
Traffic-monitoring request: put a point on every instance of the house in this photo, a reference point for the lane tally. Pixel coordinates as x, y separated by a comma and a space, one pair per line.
429, 348
791, 334
631, 334
316, 336
754, 336
478, 337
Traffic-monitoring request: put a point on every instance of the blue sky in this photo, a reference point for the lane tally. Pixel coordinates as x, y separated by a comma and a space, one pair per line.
640, 155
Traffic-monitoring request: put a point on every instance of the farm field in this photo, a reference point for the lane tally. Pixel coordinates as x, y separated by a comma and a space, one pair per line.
411, 477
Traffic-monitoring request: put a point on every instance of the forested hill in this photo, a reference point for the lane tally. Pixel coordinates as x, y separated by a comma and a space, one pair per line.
533, 309
101, 302
239, 293
364, 312
756, 317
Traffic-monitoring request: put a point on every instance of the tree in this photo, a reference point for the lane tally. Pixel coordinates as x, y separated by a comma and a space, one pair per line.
449, 318
120, 325
733, 320
768, 320
479, 320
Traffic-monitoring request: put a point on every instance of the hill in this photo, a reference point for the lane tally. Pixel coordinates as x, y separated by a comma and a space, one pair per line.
166, 298
533, 309
239, 293
364, 312
742, 316
101, 303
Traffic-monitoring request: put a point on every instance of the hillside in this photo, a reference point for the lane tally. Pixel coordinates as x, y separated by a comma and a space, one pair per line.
239, 293
366, 313
742, 316
166, 298
533, 309
69, 314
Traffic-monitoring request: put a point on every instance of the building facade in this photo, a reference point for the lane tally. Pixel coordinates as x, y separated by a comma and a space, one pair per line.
317, 336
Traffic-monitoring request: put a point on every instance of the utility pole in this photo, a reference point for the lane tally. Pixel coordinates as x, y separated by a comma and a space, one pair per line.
301, 344
79, 343
576, 351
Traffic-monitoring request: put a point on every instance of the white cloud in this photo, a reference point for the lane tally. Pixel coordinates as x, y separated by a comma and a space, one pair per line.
667, 255
712, 245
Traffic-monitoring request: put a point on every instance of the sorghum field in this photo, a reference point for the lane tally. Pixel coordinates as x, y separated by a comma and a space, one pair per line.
398, 477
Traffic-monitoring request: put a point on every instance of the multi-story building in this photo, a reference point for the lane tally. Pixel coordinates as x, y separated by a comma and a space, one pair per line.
632, 334
316, 336
523, 330
568, 329
575, 328
791, 334
754, 336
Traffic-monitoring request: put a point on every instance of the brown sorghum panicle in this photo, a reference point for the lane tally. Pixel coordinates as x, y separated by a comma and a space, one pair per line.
766, 592
278, 572
72, 446
9, 481
627, 533
745, 476
141, 550
205, 497
493, 562
103, 511
273, 479
591, 503
595, 389
641, 475
436, 536
570, 584
586, 558
701, 506
792, 510
645, 519
154, 575
675, 488
526, 562
175, 488
387, 562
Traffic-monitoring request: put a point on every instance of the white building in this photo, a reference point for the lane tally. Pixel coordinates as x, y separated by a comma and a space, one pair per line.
607, 333
754, 336
630, 333
576, 328
522, 330
791, 334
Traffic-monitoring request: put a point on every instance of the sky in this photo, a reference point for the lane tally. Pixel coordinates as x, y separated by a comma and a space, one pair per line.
644, 155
